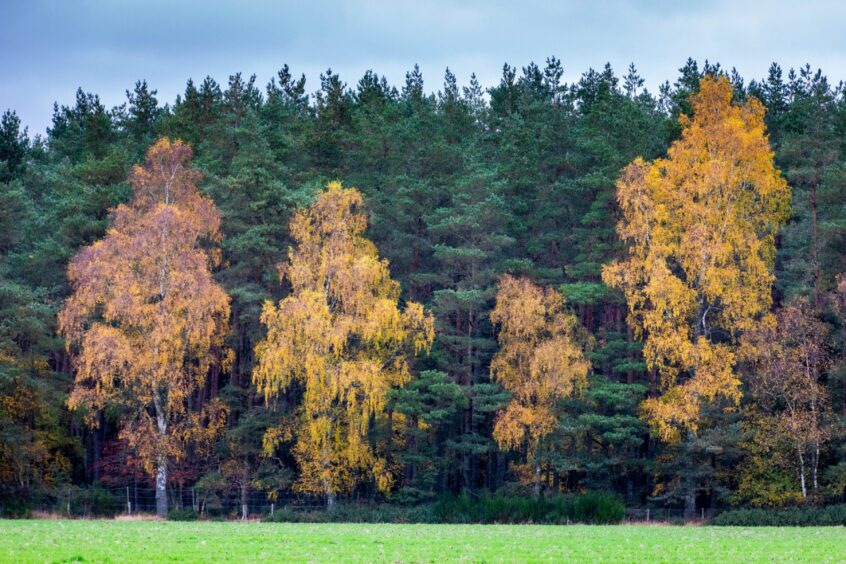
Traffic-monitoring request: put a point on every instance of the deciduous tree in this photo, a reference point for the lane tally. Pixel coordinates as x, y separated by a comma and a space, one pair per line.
342, 335
539, 362
788, 355
146, 318
700, 226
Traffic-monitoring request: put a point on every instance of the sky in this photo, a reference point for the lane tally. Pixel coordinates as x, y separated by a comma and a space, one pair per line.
50, 48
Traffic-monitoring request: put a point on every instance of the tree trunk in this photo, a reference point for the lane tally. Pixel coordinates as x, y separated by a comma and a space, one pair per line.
690, 504
95, 466
161, 470
161, 487
816, 464
537, 480
411, 430
244, 506
330, 495
802, 472
815, 458
690, 493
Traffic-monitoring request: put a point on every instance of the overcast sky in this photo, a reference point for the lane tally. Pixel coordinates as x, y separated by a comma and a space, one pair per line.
49, 48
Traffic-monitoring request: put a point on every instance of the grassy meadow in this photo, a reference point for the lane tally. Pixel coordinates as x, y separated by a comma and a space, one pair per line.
133, 541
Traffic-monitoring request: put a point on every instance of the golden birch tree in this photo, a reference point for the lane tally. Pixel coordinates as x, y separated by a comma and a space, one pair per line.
343, 337
787, 354
539, 363
146, 319
700, 227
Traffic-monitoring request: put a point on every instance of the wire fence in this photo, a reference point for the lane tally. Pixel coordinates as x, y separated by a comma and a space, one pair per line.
669, 515
131, 500
234, 504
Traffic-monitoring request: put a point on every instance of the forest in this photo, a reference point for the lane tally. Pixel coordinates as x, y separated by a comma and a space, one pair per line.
362, 291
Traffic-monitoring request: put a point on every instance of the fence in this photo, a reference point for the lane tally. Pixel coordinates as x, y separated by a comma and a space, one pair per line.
131, 500
668, 515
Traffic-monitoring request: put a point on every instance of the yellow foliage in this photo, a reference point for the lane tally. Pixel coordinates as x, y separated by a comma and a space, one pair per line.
700, 226
146, 318
342, 334
539, 361
275, 436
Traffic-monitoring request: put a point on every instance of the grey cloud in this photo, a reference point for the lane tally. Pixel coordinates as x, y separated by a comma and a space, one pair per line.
49, 48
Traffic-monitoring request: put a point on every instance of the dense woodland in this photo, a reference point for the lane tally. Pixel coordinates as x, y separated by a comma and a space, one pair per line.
567, 303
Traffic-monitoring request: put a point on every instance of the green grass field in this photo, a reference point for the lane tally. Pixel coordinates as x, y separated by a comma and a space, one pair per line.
124, 541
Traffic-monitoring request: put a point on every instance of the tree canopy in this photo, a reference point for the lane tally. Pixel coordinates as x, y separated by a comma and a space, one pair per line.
539, 285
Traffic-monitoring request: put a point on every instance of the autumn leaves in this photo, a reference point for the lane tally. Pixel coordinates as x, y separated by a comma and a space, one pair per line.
147, 319
539, 362
700, 227
342, 335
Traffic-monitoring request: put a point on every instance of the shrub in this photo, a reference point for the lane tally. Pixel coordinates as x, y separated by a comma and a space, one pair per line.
94, 500
832, 515
600, 508
15, 509
355, 513
590, 507
283, 516
184, 514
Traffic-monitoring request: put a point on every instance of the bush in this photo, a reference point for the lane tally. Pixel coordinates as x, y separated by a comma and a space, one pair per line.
832, 515
94, 500
355, 513
184, 514
15, 509
601, 508
282, 516
590, 507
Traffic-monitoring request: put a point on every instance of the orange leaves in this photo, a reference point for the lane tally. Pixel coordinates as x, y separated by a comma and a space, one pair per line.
342, 334
700, 227
787, 354
166, 176
538, 361
146, 318
517, 425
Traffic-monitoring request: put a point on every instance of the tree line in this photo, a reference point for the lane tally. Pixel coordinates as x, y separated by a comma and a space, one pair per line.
533, 288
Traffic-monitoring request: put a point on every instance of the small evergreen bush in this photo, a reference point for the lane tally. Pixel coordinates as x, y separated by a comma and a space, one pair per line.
830, 516
94, 500
184, 514
590, 507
